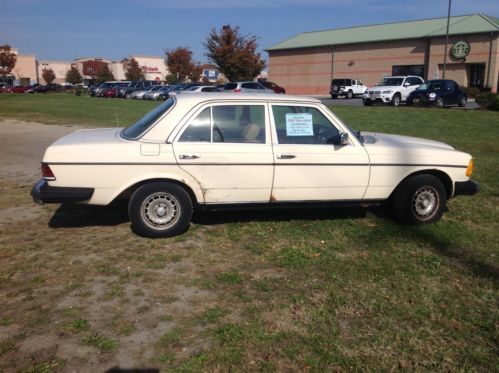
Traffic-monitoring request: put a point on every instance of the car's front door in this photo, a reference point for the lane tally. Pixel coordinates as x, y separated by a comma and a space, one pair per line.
226, 148
310, 164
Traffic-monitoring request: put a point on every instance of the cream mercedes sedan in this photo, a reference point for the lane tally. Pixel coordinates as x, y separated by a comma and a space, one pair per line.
205, 150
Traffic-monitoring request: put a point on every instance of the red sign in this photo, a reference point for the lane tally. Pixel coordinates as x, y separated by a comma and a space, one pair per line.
150, 70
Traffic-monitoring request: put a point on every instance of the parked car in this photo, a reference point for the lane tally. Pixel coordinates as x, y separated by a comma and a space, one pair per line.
347, 87
439, 92
19, 89
126, 92
112, 91
205, 150
250, 87
392, 90
97, 91
200, 88
274, 87
149, 95
6, 88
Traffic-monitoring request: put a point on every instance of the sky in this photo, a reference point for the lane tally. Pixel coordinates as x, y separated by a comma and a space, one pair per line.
115, 29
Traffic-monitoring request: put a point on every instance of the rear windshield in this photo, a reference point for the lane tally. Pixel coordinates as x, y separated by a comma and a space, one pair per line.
144, 123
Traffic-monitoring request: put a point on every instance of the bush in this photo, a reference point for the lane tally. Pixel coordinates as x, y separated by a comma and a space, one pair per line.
488, 100
471, 92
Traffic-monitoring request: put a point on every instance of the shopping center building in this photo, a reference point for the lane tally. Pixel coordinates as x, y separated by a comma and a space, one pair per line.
306, 63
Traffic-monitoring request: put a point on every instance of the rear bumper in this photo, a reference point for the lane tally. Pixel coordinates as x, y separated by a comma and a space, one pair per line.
466, 188
44, 193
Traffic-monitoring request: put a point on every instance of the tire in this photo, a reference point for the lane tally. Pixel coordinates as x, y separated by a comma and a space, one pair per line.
462, 101
128, 96
349, 94
368, 103
396, 100
160, 209
334, 97
409, 102
418, 200
439, 102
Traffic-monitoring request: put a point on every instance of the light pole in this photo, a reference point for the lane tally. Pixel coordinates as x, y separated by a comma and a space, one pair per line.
446, 41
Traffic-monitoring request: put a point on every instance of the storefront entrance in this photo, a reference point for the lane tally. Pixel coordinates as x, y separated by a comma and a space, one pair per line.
477, 75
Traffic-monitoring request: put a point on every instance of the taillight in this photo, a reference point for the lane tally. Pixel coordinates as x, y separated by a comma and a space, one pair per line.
237, 90
47, 173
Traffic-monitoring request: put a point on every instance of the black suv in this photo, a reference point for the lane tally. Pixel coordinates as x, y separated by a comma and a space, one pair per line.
126, 92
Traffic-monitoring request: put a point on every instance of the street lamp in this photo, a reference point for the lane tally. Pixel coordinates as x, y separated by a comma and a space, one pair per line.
446, 41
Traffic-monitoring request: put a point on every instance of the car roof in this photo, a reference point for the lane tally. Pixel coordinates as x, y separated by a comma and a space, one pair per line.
222, 96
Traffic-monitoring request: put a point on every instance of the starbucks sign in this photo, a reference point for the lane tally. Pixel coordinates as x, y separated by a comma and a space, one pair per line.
460, 49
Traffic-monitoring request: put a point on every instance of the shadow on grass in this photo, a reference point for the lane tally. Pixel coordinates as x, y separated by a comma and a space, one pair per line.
74, 215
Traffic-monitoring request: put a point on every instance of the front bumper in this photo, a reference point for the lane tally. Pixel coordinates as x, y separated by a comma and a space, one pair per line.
466, 188
44, 193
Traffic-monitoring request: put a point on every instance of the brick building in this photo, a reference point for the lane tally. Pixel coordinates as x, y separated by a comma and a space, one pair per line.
306, 63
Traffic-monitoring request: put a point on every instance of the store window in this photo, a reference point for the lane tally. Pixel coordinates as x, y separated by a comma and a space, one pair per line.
417, 70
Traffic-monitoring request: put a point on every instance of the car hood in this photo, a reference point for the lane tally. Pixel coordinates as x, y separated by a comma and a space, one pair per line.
384, 87
88, 146
390, 149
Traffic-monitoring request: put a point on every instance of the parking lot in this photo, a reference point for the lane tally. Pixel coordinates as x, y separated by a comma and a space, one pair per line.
471, 104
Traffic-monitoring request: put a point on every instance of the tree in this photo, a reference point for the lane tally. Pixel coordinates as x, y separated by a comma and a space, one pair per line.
104, 74
48, 75
233, 54
171, 79
132, 69
196, 72
8, 60
73, 76
179, 62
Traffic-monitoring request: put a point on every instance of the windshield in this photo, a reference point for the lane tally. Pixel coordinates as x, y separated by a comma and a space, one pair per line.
391, 81
143, 124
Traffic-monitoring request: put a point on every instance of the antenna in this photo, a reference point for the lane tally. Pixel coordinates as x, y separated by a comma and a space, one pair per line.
116, 115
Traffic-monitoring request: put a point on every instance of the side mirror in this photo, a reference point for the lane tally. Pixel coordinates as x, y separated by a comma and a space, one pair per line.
344, 138
407, 84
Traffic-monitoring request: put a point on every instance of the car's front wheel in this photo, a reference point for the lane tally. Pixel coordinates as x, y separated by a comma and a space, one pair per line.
349, 94
368, 103
160, 209
439, 102
396, 99
420, 199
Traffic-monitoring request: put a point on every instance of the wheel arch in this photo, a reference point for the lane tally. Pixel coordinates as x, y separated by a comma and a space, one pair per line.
127, 193
444, 178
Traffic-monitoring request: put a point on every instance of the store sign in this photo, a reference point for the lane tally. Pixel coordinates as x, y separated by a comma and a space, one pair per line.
150, 70
460, 49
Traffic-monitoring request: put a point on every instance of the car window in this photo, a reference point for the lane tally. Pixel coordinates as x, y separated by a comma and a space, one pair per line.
228, 124
303, 125
249, 85
144, 123
230, 86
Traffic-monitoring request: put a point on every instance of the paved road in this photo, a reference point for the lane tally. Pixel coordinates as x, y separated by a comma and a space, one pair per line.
358, 102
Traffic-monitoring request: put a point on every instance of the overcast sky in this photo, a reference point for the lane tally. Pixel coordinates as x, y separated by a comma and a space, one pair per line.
114, 29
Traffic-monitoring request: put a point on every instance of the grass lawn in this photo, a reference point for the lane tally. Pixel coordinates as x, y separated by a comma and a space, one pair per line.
283, 290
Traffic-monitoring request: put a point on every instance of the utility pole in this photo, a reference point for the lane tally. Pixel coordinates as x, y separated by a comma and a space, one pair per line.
446, 41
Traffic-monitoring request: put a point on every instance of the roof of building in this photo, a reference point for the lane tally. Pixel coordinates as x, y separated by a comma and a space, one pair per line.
459, 25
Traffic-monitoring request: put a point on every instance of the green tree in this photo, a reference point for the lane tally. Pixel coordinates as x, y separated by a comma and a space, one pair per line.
171, 79
233, 54
179, 62
132, 69
73, 76
8, 60
104, 74
48, 75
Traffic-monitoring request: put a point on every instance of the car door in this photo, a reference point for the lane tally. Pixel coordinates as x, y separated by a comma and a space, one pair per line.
226, 148
308, 166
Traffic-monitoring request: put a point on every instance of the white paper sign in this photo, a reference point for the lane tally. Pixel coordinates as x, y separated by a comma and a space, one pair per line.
299, 124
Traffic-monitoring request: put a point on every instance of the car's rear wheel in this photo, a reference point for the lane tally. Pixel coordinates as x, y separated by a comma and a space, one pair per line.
420, 199
396, 99
160, 209
462, 101
349, 94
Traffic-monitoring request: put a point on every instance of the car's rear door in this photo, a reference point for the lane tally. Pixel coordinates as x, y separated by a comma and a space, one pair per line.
227, 149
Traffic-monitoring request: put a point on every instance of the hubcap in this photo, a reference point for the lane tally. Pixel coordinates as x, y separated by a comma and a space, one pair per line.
160, 210
425, 203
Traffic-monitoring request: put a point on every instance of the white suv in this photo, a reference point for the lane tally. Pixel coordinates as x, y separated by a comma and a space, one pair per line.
346, 87
392, 90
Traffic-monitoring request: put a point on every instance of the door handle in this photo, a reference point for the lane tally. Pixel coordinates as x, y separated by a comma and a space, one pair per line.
188, 156
286, 156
